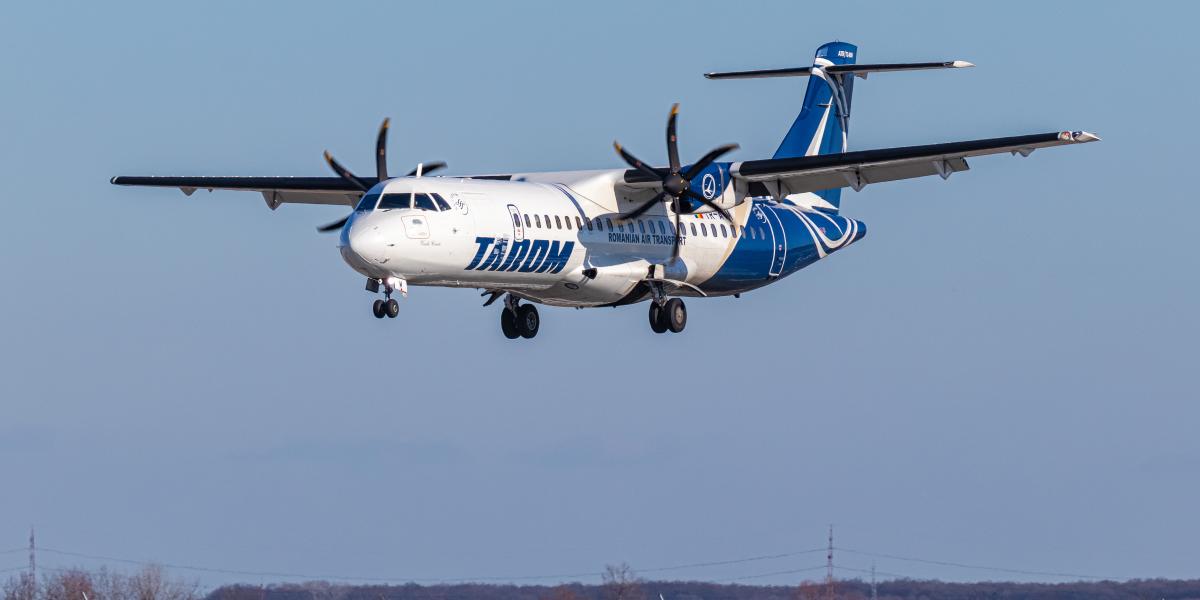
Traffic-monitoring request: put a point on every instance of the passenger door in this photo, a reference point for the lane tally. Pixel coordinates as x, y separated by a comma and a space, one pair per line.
518, 227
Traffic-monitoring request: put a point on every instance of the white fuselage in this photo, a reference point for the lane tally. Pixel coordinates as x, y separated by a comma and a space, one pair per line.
497, 235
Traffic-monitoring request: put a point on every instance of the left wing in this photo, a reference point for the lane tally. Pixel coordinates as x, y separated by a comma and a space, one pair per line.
275, 190
780, 177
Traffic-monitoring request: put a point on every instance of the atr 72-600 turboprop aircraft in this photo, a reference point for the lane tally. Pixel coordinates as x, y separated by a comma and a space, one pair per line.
620, 236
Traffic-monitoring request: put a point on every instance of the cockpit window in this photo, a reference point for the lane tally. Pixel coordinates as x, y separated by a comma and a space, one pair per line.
424, 202
395, 201
441, 202
367, 203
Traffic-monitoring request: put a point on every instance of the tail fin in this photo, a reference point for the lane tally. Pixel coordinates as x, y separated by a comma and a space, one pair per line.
820, 128
823, 123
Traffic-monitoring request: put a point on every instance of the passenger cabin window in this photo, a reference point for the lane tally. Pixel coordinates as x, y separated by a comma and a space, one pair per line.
693, 227
578, 223
538, 219
568, 220
723, 232
527, 221
589, 224
367, 203
390, 201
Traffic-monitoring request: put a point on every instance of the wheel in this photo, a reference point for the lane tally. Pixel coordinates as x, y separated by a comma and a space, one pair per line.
378, 309
675, 315
392, 308
508, 324
528, 321
657, 322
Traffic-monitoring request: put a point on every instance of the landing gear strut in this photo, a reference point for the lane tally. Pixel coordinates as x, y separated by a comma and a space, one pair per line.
519, 320
670, 315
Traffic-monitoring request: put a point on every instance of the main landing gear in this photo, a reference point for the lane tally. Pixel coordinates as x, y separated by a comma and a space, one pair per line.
519, 320
669, 315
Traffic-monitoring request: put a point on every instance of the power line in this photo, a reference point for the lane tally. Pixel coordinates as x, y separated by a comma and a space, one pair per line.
732, 562
774, 573
14, 550
426, 579
946, 563
11, 569
873, 571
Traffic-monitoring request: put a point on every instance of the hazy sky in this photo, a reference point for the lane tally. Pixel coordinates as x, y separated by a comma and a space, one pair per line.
1002, 373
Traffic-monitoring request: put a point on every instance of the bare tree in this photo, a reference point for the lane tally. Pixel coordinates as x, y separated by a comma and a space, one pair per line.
621, 583
21, 587
562, 592
152, 583
68, 584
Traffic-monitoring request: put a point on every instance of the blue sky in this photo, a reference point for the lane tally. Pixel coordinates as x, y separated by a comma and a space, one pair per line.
1001, 373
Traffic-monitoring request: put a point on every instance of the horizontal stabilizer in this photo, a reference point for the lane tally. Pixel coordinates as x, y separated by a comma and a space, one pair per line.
859, 70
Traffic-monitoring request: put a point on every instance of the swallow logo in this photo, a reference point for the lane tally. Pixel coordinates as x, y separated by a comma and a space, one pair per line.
708, 185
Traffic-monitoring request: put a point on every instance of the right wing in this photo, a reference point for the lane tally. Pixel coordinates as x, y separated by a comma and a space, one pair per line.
275, 190
780, 177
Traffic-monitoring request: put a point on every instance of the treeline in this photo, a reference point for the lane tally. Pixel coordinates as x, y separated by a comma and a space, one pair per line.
902, 589
149, 583
154, 583
855, 589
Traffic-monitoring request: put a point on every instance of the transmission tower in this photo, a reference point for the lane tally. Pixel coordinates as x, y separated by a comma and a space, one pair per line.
32, 557
874, 589
829, 591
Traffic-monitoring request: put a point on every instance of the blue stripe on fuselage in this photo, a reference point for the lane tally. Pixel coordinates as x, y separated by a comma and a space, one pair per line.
749, 265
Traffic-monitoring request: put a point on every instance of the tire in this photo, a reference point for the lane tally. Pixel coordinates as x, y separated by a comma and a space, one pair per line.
675, 315
528, 321
508, 324
657, 322
378, 309
392, 308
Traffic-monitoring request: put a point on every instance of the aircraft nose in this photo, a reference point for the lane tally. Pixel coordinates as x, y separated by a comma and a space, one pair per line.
365, 243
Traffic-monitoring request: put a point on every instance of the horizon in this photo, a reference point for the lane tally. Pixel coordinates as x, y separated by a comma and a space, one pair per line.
996, 375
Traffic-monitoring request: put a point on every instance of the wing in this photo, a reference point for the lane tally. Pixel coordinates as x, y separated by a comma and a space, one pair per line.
780, 177
275, 190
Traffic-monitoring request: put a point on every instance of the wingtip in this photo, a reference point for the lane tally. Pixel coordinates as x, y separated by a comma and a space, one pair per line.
709, 75
1085, 136
675, 109
113, 180
962, 64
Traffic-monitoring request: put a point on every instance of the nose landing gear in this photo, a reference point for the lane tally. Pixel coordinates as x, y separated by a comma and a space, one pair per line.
519, 320
387, 306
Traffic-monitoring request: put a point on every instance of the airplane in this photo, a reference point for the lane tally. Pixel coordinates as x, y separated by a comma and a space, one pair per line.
613, 237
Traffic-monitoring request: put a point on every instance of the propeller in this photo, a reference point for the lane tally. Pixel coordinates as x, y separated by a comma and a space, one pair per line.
676, 183
380, 172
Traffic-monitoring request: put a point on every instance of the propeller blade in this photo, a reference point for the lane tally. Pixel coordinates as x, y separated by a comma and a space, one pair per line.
678, 234
708, 159
637, 212
710, 203
345, 174
637, 164
672, 146
381, 151
334, 226
427, 168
